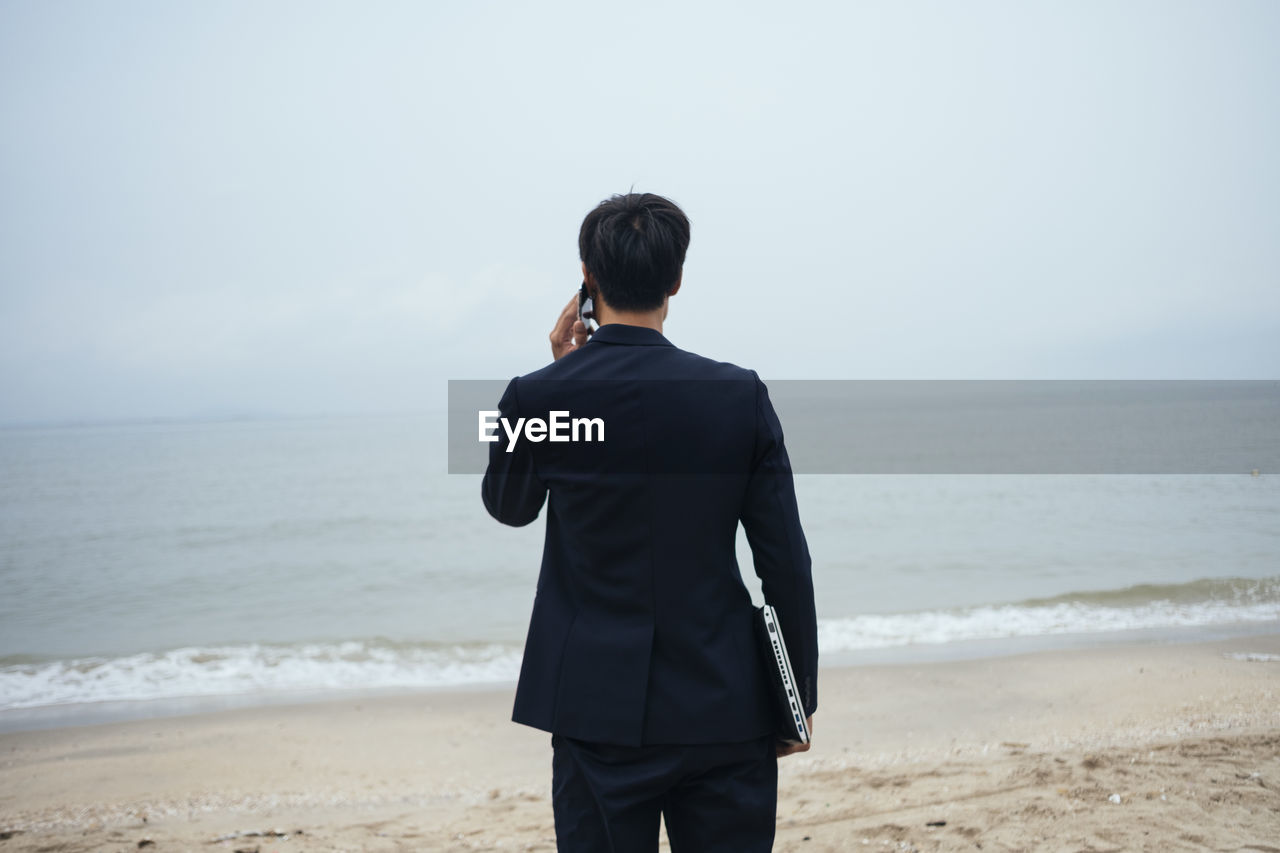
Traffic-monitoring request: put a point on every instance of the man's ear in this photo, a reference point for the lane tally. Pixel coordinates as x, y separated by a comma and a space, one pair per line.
675, 288
589, 280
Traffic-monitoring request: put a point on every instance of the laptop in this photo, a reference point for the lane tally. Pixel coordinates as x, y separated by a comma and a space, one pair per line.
792, 726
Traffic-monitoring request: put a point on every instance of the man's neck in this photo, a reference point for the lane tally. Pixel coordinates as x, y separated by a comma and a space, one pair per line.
647, 319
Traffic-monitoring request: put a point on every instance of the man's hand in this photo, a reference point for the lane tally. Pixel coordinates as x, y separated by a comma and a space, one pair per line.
569, 333
789, 748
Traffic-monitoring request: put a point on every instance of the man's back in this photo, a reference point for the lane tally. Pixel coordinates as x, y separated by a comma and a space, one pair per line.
641, 628
640, 658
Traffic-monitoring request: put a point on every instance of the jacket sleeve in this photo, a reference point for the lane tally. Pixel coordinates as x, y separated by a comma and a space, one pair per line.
771, 520
512, 491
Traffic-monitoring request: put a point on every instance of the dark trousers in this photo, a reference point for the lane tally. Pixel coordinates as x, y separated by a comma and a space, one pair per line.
714, 797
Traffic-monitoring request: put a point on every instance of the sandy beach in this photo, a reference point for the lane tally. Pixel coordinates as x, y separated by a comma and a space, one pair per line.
1155, 747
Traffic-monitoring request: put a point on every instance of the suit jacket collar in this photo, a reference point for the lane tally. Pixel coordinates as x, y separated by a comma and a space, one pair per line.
620, 333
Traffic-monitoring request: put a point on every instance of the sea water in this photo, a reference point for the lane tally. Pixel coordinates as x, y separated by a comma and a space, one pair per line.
260, 559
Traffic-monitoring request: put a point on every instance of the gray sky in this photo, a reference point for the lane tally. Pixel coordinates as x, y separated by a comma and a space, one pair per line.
213, 208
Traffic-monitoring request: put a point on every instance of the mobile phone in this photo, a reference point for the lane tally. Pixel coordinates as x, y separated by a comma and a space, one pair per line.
586, 309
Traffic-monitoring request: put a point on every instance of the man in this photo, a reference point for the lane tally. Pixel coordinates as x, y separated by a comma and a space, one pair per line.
640, 657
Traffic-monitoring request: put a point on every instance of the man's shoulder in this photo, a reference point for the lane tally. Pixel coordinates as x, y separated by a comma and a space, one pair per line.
713, 369
598, 362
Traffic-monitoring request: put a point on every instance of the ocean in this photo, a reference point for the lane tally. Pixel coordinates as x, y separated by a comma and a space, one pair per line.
153, 567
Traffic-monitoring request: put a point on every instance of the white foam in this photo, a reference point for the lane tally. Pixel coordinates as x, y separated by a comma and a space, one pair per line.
876, 631
253, 668
229, 670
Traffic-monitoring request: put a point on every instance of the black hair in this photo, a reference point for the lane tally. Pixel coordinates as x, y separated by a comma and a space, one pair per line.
634, 246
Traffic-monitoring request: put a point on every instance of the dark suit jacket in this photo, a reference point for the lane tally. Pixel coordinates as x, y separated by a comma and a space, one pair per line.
641, 630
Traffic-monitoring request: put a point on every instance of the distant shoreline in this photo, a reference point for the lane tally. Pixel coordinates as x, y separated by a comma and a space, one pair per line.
74, 715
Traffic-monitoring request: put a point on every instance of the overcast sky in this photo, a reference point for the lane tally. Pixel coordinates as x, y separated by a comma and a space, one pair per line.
219, 208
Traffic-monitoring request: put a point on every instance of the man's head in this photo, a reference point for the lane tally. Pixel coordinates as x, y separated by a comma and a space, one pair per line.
633, 246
